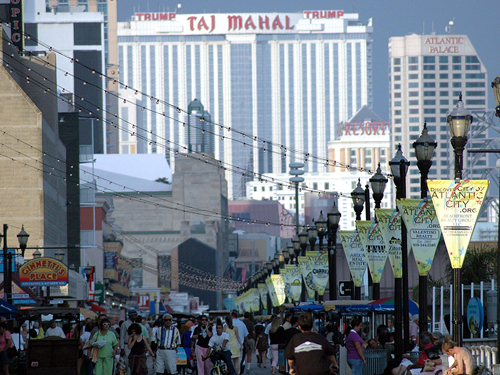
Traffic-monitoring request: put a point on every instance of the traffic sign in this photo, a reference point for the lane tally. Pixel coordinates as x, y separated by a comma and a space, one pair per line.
345, 288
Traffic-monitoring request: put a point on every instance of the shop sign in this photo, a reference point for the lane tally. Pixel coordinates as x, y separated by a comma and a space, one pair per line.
43, 272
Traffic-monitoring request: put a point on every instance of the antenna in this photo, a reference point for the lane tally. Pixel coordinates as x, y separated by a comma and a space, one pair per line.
450, 29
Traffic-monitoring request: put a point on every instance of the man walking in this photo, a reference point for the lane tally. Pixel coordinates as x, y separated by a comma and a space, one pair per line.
309, 353
168, 339
250, 340
243, 333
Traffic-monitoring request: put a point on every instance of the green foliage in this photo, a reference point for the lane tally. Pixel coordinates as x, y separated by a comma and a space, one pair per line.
438, 283
480, 264
163, 180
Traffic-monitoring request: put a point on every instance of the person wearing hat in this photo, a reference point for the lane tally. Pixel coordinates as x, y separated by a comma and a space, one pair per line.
168, 340
132, 316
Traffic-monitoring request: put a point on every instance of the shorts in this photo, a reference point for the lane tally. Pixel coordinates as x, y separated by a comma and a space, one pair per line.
4, 358
251, 345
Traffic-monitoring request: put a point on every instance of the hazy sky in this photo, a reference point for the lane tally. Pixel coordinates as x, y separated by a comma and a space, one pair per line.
478, 19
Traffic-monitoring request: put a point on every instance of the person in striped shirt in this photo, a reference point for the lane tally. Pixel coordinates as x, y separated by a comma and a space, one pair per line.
168, 340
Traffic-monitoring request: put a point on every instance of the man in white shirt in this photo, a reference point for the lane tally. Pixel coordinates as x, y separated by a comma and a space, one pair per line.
168, 339
219, 343
54, 330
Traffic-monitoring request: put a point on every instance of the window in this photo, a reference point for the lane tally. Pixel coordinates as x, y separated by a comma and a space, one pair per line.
429, 102
414, 180
429, 93
397, 112
443, 110
456, 93
413, 102
412, 59
471, 59
397, 95
457, 59
414, 128
327, 186
413, 111
429, 67
429, 84
443, 76
443, 84
413, 137
397, 121
475, 102
397, 138
413, 85
412, 76
429, 110
474, 84
457, 84
87, 33
474, 76
397, 104
414, 120
315, 186
353, 160
429, 59
270, 188
263, 188
397, 78
475, 93
443, 67
457, 67
397, 68
429, 119
368, 158
397, 61
472, 67
442, 119
431, 128
255, 188
429, 76
397, 86
412, 67
444, 102
413, 93
397, 129
443, 59
457, 75
443, 93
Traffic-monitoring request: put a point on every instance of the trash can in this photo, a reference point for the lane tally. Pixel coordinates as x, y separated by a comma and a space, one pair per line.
376, 361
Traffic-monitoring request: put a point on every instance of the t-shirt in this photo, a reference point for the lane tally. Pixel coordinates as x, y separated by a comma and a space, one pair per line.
217, 341
423, 356
55, 332
310, 351
107, 350
242, 329
250, 327
350, 345
3, 340
203, 338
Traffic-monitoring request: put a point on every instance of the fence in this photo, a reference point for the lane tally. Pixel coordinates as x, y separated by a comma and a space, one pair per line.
376, 361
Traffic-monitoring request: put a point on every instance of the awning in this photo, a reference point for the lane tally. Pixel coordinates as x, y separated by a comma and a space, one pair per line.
87, 313
97, 308
7, 310
389, 304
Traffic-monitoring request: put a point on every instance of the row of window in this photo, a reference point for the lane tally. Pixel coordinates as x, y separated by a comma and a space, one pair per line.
414, 85
397, 95
326, 186
397, 69
444, 76
442, 60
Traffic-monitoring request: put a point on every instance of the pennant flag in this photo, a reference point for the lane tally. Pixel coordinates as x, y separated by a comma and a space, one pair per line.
423, 231
307, 275
355, 254
390, 226
457, 206
320, 270
263, 294
285, 274
296, 282
374, 245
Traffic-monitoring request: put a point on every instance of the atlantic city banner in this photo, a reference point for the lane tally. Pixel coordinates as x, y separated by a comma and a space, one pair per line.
307, 275
423, 231
457, 206
319, 260
374, 245
390, 226
355, 254
263, 294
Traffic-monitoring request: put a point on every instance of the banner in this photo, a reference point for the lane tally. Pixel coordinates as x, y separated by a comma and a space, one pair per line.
390, 225
374, 244
423, 231
263, 294
276, 290
458, 206
320, 270
285, 274
296, 282
355, 254
307, 276
255, 299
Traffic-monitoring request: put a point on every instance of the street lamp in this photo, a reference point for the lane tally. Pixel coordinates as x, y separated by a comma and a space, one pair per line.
399, 167
22, 237
37, 254
459, 121
358, 199
60, 255
303, 238
281, 259
378, 182
296, 248
321, 228
333, 225
312, 234
296, 172
424, 150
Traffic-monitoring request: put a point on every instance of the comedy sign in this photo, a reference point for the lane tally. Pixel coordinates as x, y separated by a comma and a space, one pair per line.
43, 272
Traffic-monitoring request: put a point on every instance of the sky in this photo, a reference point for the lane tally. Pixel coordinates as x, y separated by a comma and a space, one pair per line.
478, 19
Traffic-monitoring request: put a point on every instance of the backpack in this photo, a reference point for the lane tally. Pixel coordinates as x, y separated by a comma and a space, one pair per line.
263, 342
338, 337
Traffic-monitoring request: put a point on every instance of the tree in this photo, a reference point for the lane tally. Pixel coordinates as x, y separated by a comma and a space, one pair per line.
480, 264
163, 180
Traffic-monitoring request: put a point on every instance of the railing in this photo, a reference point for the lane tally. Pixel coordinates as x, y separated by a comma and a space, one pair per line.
484, 355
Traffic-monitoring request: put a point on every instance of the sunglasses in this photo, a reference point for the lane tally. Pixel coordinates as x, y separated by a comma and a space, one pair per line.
106, 324
168, 320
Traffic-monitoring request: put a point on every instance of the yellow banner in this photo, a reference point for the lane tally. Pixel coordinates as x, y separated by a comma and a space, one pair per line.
457, 207
279, 289
306, 269
286, 274
296, 283
423, 231
320, 271
263, 294
374, 245
355, 254
390, 225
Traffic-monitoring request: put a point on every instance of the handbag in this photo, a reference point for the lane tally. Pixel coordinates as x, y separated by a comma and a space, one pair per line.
12, 352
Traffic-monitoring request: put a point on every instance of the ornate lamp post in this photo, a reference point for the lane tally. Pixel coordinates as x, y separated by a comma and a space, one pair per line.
303, 239
333, 225
459, 121
281, 259
321, 227
424, 150
358, 199
296, 248
399, 167
378, 183
296, 172
312, 234
22, 237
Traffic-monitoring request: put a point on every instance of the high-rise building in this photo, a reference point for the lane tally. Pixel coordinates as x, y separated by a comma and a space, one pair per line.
427, 75
288, 78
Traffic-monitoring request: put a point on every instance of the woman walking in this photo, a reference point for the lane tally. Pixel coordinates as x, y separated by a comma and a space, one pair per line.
262, 344
107, 344
234, 343
276, 336
137, 360
199, 344
354, 345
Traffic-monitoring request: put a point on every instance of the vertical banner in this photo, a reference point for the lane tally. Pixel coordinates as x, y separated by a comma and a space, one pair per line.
423, 231
256, 299
296, 282
457, 206
306, 270
390, 226
272, 293
374, 245
279, 289
320, 271
263, 294
285, 274
355, 254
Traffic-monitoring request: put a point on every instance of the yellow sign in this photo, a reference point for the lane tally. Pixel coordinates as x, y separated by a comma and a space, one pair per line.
457, 206
390, 226
355, 254
374, 245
